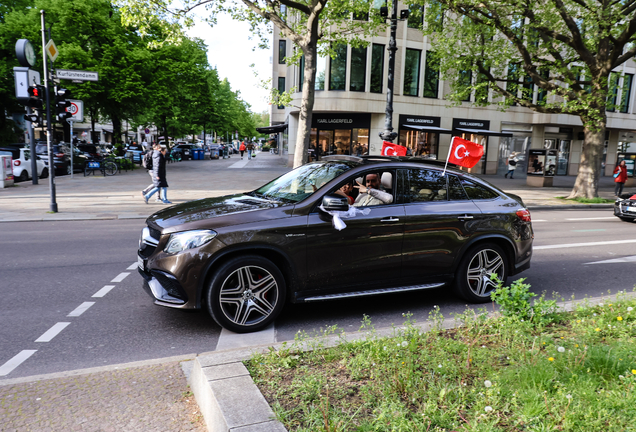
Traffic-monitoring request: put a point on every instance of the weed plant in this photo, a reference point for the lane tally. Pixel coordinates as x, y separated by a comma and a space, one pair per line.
528, 368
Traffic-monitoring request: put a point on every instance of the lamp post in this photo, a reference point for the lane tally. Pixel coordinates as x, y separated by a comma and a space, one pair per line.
388, 134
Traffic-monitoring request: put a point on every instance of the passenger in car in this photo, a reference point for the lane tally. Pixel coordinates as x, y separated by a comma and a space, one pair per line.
346, 191
374, 192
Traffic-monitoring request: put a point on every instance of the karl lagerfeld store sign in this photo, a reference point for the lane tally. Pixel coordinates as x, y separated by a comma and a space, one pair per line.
340, 121
419, 120
470, 124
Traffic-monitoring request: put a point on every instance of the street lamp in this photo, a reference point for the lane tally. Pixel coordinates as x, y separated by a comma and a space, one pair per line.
389, 134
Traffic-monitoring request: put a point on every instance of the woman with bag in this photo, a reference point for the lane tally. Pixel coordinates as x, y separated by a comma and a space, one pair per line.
620, 177
242, 149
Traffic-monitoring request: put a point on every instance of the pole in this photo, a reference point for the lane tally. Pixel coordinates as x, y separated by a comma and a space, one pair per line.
388, 134
49, 120
70, 122
449, 153
34, 157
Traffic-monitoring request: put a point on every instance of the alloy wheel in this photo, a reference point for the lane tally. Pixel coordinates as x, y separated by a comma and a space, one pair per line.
484, 264
248, 295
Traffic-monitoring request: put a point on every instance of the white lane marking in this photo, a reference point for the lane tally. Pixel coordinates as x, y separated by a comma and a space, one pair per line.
615, 260
539, 220
132, 266
81, 309
102, 292
571, 245
120, 277
594, 218
52, 332
231, 340
16, 361
240, 164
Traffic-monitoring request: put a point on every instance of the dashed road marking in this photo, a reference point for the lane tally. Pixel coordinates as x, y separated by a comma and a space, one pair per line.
539, 220
120, 277
571, 245
132, 266
81, 309
626, 259
16, 361
102, 292
592, 218
52, 332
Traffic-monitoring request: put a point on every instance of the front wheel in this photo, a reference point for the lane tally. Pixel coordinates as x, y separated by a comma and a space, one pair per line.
246, 294
110, 168
473, 280
45, 173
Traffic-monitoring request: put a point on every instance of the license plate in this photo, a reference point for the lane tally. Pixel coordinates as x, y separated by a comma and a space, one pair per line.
140, 262
631, 209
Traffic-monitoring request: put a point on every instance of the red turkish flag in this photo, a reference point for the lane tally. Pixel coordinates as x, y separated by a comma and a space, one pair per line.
465, 153
390, 149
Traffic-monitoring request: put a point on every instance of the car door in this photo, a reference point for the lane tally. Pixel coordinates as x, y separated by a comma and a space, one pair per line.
439, 220
364, 255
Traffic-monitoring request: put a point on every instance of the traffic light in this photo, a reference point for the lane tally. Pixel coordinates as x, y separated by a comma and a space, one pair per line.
36, 96
61, 104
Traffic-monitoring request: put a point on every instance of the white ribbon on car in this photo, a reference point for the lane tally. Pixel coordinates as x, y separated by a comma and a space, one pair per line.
337, 221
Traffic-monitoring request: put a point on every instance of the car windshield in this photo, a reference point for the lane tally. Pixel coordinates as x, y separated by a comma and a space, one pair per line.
302, 182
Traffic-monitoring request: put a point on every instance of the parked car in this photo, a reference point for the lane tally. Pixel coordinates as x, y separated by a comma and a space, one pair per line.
90, 150
62, 157
625, 207
138, 151
243, 256
185, 150
22, 163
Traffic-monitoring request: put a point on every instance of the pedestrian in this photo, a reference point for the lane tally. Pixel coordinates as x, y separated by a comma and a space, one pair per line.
159, 176
250, 150
620, 177
146, 161
242, 149
512, 164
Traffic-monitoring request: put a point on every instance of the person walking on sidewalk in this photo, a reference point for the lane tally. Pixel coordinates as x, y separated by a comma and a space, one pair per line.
512, 165
242, 149
147, 163
250, 150
620, 177
159, 176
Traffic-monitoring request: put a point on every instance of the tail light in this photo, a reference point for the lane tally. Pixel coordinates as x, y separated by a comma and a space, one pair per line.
524, 215
16, 162
59, 154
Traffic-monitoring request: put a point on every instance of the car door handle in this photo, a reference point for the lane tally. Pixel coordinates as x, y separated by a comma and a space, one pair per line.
390, 220
465, 217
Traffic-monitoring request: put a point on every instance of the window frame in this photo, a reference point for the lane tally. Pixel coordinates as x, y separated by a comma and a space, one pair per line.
426, 77
364, 69
284, 88
419, 69
382, 48
282, 51
344, 62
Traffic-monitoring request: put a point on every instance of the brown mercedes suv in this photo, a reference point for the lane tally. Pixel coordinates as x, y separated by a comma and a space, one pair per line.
341, 227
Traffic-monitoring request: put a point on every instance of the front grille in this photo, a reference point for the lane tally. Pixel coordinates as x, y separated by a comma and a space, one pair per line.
146, 250
170, 284
155, 234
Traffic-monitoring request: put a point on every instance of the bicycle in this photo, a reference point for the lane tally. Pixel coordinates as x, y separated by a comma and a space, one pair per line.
109, 167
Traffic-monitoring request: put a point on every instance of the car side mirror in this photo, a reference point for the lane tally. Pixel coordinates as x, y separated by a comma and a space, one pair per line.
335, 203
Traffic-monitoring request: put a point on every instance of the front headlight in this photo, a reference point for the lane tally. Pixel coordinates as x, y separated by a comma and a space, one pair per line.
187, 240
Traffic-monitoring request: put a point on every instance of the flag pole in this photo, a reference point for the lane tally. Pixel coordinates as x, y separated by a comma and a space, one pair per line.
449, 153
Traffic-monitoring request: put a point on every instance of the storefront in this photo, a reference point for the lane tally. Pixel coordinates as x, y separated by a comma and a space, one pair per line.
477, 132
515, 146
420, 135
338, 133
560, 139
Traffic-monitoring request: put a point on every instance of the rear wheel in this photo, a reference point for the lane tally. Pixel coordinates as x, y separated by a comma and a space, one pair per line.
45, 173
110, 168
473, 279
246, 294
24, 176
69, 168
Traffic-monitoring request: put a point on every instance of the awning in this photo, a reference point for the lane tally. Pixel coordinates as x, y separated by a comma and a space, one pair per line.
427, 128
272, 129
485, 132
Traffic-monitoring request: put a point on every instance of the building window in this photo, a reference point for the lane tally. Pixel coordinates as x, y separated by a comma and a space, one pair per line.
416, 16
358, 69
512, 85
626, 92
283, 12
431, 76
321, 68
419, 143
435, 15
282, 51
464, 82
612, 93
338, 69
281, 89
412, 72
377, 68
361, 16
481, 89
543, 94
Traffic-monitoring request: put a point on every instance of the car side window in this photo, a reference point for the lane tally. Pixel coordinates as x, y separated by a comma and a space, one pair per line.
455, 190
382, 185
426, 185
478, 192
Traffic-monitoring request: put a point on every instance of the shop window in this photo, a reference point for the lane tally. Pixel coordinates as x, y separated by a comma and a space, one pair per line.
338, 68
412, 72
426, 185
282, 51
431, 75
377, 68
321, 68
281, 89
416, 16
626, 92
419, 143
358, 69
360, 141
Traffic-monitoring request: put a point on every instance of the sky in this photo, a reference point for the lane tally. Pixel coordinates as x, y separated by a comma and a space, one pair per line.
230, 50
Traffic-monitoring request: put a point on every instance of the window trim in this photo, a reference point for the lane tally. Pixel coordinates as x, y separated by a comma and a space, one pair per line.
419, 70
382, 49
284, 89
364, 69
282, 51
345, 60
426, 76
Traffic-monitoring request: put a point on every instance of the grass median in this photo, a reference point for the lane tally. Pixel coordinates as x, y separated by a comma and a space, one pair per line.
529, 367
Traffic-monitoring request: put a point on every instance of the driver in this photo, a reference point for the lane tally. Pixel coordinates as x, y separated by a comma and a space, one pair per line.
373, 193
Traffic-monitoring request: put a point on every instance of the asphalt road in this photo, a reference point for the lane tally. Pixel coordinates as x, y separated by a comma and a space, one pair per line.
50, 270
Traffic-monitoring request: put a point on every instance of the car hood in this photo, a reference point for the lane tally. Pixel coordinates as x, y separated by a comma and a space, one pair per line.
211, 213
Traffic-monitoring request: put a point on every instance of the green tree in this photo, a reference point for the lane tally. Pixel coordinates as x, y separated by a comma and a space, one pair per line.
566, 48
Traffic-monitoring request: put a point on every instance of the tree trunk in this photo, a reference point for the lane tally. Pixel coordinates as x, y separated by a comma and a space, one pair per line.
116, 128
92, 113
586, 184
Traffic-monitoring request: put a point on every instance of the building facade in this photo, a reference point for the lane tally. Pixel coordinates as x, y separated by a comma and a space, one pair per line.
350, 102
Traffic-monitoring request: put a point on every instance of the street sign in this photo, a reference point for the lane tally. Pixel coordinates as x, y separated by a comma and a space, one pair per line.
146, 131
77, 110
24, 78
51, 50
78, 75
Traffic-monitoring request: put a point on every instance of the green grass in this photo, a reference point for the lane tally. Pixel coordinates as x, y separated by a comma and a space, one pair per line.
571, 371
597, 200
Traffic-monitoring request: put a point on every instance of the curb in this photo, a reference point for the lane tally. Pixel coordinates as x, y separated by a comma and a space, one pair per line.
569, 206
223, 387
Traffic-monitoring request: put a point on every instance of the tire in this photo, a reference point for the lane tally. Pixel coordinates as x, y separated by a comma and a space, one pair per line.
110, 168
69, 168
246, 294
45, 173
472, 281
24, 176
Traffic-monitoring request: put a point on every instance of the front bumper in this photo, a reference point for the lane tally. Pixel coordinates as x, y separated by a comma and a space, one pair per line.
164, 288
625, 209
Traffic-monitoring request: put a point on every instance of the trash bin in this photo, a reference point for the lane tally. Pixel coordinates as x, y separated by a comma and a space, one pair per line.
200, 154
214, 153
6, 171
225, 153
